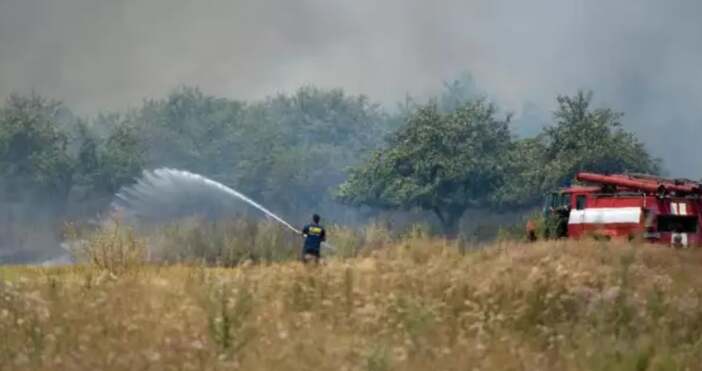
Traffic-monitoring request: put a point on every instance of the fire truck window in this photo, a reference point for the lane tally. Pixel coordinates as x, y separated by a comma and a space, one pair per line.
580, 202
565, 200
548, 202
557, 200
677, 223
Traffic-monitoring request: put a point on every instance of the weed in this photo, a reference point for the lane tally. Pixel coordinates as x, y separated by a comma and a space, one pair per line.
115, 248
228, 314
415, 303
378, 358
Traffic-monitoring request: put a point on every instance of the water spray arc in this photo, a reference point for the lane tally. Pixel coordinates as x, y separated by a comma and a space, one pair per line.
164, 192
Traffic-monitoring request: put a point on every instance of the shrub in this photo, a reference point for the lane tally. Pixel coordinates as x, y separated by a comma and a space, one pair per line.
223, 243
114, 247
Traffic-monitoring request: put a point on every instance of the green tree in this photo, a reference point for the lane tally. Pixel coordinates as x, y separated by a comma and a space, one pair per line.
121, 158
191, 130
524, 180
34, 151
441, 162
287, 150
301, 145
113, 160
584, 138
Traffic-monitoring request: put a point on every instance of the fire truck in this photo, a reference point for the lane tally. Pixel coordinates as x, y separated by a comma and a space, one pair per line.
624, 206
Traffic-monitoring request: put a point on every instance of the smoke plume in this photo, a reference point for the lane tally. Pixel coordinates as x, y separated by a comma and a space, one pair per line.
639, 56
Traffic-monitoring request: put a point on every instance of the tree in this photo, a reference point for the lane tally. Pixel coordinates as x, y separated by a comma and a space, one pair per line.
288, 150
441, 162
587, 139
524, 180
301, 145
110, 155
34, 153
581, 139
191, 130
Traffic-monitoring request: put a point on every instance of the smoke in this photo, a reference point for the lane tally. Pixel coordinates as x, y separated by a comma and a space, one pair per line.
639, 56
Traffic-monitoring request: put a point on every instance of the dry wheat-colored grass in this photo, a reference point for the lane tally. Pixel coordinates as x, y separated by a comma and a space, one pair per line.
414, 304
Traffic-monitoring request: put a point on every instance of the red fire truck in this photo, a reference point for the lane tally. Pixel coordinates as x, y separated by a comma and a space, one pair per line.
644, 207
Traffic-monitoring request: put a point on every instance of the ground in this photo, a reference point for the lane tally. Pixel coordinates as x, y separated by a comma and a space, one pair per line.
420, 304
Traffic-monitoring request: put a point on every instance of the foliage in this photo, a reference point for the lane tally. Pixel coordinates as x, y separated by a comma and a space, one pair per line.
227, 317
36, 174
52, 162
584, 139
106, 164
223, 243
114, 248
440, 162
287, 150
447, 162
312, 137
33, 149
290, 150
191, 130
524, 184
45, 149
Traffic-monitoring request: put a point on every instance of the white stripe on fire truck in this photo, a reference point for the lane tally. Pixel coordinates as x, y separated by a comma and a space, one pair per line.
614, 215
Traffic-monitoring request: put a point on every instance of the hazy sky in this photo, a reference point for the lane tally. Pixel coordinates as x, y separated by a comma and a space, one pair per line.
641, 56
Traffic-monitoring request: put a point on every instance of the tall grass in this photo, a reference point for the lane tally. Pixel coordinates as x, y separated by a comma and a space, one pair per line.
415, 303
114, 248
225, 243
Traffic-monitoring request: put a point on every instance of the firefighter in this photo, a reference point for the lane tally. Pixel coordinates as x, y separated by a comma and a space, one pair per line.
314, 236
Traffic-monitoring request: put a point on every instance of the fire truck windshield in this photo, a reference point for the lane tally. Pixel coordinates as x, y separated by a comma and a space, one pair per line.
557, 200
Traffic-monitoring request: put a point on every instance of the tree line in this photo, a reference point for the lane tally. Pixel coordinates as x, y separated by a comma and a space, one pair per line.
311, 150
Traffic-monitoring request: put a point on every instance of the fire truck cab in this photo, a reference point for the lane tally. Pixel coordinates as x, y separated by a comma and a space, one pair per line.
629, 207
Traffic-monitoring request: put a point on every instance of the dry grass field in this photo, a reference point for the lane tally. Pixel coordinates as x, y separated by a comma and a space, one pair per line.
417, 303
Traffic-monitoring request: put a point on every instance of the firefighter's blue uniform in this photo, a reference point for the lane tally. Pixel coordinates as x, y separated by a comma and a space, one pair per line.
314, 236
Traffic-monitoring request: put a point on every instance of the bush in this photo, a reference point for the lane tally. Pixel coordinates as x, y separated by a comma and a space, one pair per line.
114, 247
224, 243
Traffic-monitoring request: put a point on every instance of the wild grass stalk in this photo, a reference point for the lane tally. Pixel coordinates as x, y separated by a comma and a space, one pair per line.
417, 303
